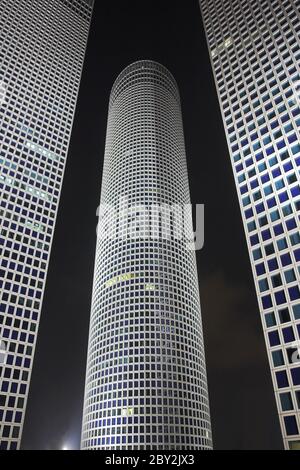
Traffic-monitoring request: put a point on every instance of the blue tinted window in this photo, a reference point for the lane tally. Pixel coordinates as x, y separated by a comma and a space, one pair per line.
288, 334
270, 319
287, 209
265, 178
294, 293
254, 183
297, 254
272, 263
291, 224
296, 149
268, 190
277, 357
295, 191
263, 285
279, 184
295, 239
280, 297
260, 269
271, 202
274, 339
260, 208
261, 167
282, 244
246, 201
251, 226
290, 425
298, 398
282, 380
275, 215
285, 259
257, 254
267, 301
296, 376
249, 213
283, 196
286, 401
296, 310
266, 234
254, 240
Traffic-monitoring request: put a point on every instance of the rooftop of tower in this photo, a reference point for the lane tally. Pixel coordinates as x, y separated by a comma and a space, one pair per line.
144, 69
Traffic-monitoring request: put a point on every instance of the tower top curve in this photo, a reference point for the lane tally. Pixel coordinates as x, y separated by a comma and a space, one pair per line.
144, 70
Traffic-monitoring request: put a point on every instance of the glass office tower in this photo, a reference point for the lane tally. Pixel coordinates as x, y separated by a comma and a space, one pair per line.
255, 53
146, 379
42, 48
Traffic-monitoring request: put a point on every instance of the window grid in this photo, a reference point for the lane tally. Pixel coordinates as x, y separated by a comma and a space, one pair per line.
42, 47
255, 52
146, 380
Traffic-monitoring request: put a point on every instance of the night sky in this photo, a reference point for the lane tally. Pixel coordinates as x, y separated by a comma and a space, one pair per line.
241, 398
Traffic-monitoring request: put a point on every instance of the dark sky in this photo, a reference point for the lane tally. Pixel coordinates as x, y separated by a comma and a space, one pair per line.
241, 397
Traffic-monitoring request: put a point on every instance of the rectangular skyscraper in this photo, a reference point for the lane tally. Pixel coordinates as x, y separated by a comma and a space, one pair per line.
255, 54
42, 49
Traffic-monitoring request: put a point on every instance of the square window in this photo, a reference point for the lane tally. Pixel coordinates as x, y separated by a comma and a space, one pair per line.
286, 401
295, 239
275, 215
257, 254
270, 320
273, 265
296, 375
288, 334
266, 234
290, 425
263, 285
267, 301
280, 297
296, 311
297, 254
277, 357
294, 293
276, 280
285, 259
260, 269
282, 380
274, 339
278, 229
269, 249
297, 393
284, 315
290, 275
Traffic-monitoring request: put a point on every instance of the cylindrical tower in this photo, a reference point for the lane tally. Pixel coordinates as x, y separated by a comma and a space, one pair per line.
146, 380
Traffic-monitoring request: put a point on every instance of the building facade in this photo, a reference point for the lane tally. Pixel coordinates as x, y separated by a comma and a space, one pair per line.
255, 55
146, 379
42, 49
